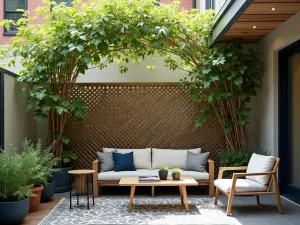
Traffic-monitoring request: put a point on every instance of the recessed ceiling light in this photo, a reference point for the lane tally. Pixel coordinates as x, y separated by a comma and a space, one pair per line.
273, 8
254, 27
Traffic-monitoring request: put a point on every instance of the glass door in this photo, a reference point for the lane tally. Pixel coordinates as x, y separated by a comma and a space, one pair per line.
294, 184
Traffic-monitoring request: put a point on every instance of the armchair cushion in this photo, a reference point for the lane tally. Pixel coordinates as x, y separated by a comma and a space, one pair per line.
242, 185
260, 164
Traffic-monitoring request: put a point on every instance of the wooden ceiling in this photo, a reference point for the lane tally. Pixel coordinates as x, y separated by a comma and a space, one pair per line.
260, 15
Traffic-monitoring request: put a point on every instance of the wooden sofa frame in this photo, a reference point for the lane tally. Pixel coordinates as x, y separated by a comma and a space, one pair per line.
101, 183
272, 181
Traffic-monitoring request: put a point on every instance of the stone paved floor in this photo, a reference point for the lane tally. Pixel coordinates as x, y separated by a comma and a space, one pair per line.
244, 208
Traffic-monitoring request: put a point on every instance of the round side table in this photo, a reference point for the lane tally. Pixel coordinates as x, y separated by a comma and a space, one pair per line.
81, 185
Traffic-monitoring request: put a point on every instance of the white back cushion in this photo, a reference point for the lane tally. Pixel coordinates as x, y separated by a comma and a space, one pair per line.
170, 157
260, 164
141, 157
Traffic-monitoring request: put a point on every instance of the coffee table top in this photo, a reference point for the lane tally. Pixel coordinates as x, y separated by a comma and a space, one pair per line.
134, 181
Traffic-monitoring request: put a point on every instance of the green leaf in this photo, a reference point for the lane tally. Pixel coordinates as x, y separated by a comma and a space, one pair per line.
40, 95
181, 46
238, 81
60, 110
210, 97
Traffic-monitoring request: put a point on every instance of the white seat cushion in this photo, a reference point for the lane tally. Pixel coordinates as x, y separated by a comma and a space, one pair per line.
242, 185
170, 157
260, 164
141, 157
112, 175
196, 175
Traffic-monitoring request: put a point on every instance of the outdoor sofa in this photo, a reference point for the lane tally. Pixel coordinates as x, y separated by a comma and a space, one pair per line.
147, 162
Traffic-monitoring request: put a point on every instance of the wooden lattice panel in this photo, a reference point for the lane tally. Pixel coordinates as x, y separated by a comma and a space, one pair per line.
139, 116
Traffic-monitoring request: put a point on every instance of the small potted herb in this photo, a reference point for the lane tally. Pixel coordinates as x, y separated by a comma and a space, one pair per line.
176, 173
163, 172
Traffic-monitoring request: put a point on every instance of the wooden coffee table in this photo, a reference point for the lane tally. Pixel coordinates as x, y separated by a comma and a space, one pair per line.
133, 182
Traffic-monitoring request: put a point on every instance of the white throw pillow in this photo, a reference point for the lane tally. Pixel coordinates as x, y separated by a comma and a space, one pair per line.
260, 164
171, 157
141, 157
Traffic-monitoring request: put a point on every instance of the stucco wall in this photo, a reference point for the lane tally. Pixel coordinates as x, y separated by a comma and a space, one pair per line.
265, 123
18, 123
137, 72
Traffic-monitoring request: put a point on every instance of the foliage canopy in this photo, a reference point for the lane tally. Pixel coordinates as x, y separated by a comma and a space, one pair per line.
98, 33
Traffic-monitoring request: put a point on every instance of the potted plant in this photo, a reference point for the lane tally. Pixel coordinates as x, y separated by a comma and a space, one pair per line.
163, 172
176, 173
15, 173
36, 177
48, 166
62, 177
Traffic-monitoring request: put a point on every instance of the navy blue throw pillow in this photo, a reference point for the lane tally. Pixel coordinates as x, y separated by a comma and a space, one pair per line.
123, 162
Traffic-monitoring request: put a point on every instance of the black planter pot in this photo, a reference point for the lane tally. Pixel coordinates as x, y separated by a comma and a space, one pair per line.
48, 192
13, 212
163, 175
62, 180
176, 176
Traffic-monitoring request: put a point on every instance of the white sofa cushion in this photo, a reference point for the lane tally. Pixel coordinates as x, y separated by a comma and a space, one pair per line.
242, 185
141, 157
260, 164
112, 175
170, 157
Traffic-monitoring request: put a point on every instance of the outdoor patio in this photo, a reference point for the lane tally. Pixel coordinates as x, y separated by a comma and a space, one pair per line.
149, 112
245, 210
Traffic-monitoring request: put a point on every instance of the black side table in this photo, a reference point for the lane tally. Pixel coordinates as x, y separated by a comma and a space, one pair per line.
82, 185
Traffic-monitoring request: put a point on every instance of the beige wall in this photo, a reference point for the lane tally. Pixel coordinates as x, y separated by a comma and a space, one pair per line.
265, 122
295, 119
18, 123
137, 72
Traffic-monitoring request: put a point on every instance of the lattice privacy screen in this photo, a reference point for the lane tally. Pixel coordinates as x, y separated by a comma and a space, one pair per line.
139, 116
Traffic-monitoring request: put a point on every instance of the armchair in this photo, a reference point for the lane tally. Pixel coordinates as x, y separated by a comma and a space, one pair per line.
255, 182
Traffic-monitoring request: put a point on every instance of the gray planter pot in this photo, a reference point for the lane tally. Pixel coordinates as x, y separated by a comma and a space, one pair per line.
48, 192
62, 180
13, 212
163, 175
176, 176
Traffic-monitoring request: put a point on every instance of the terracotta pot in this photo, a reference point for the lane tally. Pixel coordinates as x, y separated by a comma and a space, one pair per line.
34, 201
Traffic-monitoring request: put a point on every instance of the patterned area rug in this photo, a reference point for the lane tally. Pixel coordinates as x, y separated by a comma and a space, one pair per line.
146, 210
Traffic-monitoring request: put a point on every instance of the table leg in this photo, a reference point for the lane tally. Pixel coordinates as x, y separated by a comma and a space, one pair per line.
181, 197
77, 200
184, 195
87, 189
70, 191
93, 190
131, 197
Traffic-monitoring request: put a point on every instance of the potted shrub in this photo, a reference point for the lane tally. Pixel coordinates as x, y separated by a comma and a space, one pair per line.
62, 177
176, 173
48, 163
15, 170
41, 172
163, 172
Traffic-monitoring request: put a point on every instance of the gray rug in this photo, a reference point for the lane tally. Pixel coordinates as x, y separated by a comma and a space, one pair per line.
146, 210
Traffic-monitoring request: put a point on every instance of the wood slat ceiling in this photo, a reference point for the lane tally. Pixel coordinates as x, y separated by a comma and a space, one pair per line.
259, 14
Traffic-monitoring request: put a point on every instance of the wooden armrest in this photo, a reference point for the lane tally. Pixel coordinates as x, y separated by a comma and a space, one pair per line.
95, 165
223, 169
211, 168
252, 174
